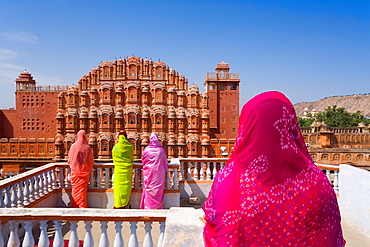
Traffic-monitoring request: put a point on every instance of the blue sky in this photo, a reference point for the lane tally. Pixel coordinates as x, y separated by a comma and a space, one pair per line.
306, 49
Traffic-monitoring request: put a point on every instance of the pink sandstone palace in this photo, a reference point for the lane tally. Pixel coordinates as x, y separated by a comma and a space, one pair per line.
133, 94
141, 96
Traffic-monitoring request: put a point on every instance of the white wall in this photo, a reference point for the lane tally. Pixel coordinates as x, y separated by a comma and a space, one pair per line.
354, 196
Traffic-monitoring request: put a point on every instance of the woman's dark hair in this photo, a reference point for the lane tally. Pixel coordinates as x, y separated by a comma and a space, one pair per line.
123, 133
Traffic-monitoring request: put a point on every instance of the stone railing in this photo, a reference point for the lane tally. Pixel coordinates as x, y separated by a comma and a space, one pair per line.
26, 188
32, 226
200, 168
332, 173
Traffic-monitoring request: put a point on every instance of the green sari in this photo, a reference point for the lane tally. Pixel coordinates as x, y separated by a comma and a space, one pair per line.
123, 159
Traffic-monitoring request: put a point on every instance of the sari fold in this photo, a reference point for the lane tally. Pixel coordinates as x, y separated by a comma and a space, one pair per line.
81, 161
270, 193
123, 159
155, 167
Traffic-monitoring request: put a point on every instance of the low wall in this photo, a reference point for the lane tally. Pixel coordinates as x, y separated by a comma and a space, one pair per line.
354, 196
104, 198
192, 188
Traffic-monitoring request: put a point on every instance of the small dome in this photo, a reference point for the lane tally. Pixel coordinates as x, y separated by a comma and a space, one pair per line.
222, 66
159, 63
205, 115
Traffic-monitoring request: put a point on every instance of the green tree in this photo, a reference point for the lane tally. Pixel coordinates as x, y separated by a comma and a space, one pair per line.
335, 117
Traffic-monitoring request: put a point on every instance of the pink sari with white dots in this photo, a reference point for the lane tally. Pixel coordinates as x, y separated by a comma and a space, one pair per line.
270, 193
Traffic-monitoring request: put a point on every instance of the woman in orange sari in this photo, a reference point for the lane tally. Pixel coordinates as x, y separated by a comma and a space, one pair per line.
81, 161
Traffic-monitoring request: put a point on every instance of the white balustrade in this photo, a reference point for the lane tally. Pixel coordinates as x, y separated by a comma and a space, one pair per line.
118, 239
31, 217
14, 198
201, 171
13, 240
40, 185
20, 195
148, 240
133, 241
58, 237
27, 193
214, 170
73, 239
43, 240
208, 172
104, 240
161, 233
336, 181
89, 240
168, 179
196, 171
175, 179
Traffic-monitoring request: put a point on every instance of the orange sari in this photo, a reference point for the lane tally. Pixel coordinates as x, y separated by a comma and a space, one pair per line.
81, 161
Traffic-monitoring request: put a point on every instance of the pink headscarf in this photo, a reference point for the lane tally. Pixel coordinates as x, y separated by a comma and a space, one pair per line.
270, 192
80, 150
155, 166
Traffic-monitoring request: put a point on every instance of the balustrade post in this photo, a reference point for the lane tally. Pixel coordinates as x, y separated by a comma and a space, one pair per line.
41, 185
104, 240
73, 239
133, 241
35, 183
26, 197
58, 237
61, 178
31, 190
88, 241
222, 164
50, 181
336, 181
196, 171
189, 171
214, 170
98, 178
168, 182
118, 239
328, 175
14, 198
2, 204
111, 170
92, 180
53, 178
136, 179
13, 240
28, 237
201, 171
106, 178
43, 240
148, 240
181, 172
68, 178
20, 195
175, 179
7, 199
46, 183
162, 226
209, 173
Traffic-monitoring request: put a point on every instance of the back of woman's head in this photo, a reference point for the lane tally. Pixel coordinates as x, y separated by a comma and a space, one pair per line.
122, 132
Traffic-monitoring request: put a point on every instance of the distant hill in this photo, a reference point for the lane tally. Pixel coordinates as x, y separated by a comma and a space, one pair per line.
351, 103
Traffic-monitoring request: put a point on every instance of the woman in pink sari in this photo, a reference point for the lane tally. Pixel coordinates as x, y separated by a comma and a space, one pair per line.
270, 193
155, 166
81, 161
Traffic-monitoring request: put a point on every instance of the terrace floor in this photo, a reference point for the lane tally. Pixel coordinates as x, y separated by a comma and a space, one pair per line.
353, 236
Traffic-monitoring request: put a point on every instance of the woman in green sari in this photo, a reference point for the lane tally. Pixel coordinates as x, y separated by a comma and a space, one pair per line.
123, 159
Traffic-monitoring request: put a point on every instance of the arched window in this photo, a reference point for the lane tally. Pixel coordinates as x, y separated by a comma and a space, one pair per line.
104, 145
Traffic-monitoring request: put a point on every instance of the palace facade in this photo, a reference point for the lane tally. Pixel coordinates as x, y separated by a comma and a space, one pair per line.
132, 94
